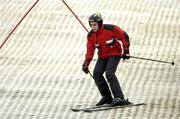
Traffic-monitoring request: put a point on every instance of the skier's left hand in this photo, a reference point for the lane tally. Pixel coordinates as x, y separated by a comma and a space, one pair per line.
126, 56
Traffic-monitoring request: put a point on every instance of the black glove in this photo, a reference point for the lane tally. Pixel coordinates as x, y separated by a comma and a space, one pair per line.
85, 67
126, 54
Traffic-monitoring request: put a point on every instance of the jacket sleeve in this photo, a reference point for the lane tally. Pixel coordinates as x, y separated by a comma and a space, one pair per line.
90, 50
123, 37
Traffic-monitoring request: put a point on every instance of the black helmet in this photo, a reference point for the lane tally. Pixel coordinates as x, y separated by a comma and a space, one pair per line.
96, 18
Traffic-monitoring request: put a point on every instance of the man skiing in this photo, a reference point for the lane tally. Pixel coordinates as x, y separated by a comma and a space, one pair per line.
112, 44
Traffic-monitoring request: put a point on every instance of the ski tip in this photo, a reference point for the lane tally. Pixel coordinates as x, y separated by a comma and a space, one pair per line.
87, 110
75, 110
142, 103
139, 104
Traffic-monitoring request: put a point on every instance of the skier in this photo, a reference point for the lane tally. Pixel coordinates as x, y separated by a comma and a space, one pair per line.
112, 44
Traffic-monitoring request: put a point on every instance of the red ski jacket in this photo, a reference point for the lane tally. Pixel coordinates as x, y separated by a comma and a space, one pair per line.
110, 41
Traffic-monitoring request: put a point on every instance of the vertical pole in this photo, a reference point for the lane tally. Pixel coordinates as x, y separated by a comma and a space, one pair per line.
6, 39
75, 15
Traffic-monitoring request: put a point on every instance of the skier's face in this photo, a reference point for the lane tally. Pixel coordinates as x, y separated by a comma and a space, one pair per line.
94, 26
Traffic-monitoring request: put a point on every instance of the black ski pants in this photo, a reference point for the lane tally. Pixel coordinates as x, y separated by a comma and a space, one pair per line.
108, 66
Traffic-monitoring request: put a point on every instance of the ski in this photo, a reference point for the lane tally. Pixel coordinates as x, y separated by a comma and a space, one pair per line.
104, 107
89, 108
113, 107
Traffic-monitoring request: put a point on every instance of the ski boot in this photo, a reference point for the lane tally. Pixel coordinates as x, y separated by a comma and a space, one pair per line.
120, 102
104, 100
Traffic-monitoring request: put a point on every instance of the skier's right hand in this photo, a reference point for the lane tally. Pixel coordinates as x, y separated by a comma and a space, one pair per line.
85, 67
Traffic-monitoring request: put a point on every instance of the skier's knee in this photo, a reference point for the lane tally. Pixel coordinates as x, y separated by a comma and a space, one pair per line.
109, 75
97, 74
